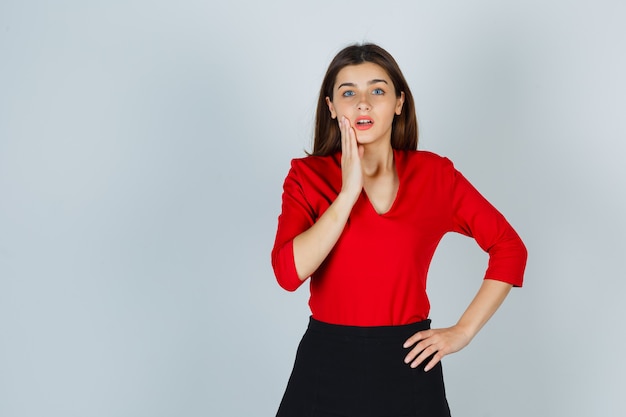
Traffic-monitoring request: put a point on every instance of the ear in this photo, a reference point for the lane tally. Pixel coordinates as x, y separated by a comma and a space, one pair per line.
333, 113
399, 103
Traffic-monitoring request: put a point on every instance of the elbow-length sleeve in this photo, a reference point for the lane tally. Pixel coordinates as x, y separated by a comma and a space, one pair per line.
474, 216
296, 217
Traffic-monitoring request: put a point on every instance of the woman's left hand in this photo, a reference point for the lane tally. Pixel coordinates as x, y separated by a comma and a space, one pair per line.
436, 343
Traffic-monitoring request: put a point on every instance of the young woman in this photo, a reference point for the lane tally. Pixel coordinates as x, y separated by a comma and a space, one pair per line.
361, 217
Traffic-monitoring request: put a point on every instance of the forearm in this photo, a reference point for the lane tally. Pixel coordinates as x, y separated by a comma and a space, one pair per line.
488, 299
442, 342
311, 247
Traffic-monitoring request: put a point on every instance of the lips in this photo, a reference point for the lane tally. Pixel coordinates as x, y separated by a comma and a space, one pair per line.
363, 123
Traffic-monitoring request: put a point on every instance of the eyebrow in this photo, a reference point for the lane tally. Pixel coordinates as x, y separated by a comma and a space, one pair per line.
374, 81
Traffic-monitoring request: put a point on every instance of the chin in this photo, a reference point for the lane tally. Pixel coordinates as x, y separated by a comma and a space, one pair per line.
365, 140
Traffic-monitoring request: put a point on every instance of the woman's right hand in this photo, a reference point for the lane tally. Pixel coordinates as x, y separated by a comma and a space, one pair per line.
351, 153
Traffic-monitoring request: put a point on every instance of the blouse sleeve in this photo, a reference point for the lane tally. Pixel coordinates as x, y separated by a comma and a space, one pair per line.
296, 217
475, 217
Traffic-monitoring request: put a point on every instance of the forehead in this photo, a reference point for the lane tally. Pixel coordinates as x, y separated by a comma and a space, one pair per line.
361, 74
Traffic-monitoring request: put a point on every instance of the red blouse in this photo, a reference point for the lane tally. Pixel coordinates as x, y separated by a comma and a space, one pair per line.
376, 273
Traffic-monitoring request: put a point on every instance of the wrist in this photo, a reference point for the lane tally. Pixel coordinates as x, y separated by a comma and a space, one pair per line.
467, 329
347, 197
350, 192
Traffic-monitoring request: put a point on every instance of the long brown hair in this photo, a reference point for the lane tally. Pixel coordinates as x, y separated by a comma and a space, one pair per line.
327, 139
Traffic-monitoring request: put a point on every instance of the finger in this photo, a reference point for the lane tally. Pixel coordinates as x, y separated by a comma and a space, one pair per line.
424, 355
345, 137
423, 348
351, 134
416, 351
416, 338
433, 362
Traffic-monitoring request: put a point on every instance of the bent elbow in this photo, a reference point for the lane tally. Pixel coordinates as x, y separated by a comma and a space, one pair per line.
284, 267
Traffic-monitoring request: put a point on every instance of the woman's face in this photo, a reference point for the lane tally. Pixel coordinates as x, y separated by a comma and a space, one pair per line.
366, 96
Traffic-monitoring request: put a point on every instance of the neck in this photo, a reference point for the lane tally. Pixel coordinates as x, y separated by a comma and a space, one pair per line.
377, 159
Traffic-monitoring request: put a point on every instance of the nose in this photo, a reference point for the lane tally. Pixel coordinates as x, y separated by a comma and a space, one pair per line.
363, 103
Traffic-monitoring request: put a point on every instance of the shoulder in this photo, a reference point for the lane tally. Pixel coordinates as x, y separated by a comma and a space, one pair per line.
311, 171
426, 171
316, 164
424, 160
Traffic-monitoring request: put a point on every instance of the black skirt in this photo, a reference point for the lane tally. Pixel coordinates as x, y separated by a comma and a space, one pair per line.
351, 371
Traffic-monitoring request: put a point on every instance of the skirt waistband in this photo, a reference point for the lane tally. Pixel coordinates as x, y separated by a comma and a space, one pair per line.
367, 332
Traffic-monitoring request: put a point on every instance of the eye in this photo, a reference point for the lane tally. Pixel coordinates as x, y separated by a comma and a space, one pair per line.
378, 92
348, 93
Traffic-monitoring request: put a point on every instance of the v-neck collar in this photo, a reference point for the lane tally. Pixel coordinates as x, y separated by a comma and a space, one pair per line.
398, 167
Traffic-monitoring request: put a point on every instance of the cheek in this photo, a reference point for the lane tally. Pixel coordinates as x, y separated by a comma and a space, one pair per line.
345, 109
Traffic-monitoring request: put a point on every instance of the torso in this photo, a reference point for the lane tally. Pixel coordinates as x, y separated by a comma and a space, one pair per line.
376, 273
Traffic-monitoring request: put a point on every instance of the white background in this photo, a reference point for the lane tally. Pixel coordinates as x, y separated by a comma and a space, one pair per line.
143, 146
